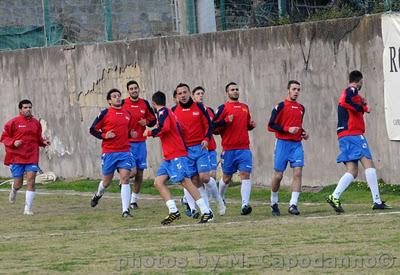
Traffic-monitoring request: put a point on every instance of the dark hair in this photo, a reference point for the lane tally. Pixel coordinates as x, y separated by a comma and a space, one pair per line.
112, 91
159, 98
229, 84
355, 76
22, 102
180, 85
292, 82
131, 82
174, 94
198, 88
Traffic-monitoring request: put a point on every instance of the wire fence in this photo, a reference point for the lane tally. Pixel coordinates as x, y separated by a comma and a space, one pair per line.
41, 23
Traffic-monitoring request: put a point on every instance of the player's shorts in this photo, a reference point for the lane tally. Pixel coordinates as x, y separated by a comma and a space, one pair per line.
353, 148
236, 160
175, 169
288, 151
198, 161
18, 170
212, 155
117, 160
139, 154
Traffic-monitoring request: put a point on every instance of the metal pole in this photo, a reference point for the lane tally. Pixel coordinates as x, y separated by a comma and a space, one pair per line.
222, 12
191, 16
282, 8
388, 5
107, 20
46, 22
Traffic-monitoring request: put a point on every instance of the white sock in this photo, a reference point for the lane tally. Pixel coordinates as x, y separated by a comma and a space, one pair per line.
134, 197
294, 198
189, 199
101, 189
211, 186
203, 206
222, 188
274, 197
29, 195
245, 191
370, 174
203, 194
125, 196
171, 206
344, 182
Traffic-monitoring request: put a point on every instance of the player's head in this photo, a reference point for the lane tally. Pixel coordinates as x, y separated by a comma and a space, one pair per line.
356, 78
133, 89
198, 94
232, 91
158, 99
183, 93
114, 98
293, 87
25, 107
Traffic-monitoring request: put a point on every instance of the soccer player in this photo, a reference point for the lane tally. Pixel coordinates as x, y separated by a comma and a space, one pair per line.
174, 166
197, 132
142, 113
233, 121
114, 126
22, 137
353, 145
211, 186
287, 123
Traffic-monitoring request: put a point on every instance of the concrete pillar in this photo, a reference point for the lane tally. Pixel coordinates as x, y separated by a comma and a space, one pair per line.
205, 13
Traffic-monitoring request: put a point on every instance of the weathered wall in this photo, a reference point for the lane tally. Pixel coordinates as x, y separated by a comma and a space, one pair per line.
68, 86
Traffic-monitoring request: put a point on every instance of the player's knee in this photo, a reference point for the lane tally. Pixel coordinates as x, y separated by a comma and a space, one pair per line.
297, 173
278, 176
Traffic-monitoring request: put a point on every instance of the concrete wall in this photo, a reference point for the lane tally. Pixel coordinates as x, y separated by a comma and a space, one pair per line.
68, 86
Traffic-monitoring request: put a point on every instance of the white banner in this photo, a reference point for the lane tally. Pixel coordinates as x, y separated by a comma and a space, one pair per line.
391, 73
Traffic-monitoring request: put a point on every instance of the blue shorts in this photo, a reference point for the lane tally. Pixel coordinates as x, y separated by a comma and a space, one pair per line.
236, 160
198, 161
353, 148
139, 154
212, 155
175, 169
113, 161
18, 170
288, 151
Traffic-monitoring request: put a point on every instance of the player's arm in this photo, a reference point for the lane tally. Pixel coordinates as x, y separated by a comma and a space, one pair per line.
304, 133
221, 118
350, 104
273, 125
95, 129
164, 125
250, 123
7, 136
42, 142
151, 119
206, 120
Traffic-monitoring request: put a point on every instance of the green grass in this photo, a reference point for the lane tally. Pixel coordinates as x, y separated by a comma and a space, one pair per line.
67, 235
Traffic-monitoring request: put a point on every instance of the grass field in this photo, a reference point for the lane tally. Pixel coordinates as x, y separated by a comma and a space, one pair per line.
67, 235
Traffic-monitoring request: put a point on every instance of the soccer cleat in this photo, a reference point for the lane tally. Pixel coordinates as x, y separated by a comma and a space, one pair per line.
293, 210
206, 217
171, 217
13, 195
95, 200
221, 208
28, 212
134, 205
195, 214
275, 210
380, 206
335, 203
126, 214
246, 210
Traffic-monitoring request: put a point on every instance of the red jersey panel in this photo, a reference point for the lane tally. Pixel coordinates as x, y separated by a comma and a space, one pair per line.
140, 110
169, 132
212, 145
117, 120
195, 123
285, 115
351, 113
234, 134
29, 131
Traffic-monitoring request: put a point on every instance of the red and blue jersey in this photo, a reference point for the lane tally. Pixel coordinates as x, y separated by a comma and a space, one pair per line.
169, 132
234, 134
285, 115
195, 122
212, 145
120, 122
139, 110
29, 131
351, 113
